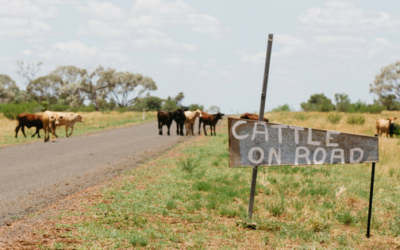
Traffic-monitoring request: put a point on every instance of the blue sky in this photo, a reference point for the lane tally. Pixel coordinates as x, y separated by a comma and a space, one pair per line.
213, 51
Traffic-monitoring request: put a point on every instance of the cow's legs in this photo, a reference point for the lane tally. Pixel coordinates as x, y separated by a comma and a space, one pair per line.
191, 128
200, 120
204, 127
23, 130
66, 130
187, 129
181, 126
168, 126
16, 130
72, 130
214, 130
211, 129
159, 128
37, 132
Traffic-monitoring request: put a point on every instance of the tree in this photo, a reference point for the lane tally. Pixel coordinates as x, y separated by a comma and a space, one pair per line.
284, 107
214, 109
387, 82
28, 70
318, 102
169, 105
122, 86
45, 88
178, 99
70, 78
342, 102
94, 86
389, 101
8, 89
150, 103
194, 107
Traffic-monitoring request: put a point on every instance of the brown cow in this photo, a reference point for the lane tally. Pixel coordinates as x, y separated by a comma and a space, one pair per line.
211, 120
382, 126
164, 118
250, 116
29, 120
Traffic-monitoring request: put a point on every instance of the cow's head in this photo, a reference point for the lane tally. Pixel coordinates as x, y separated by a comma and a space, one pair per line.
219, 116
54, 118
391, 119
78, 118
199, 112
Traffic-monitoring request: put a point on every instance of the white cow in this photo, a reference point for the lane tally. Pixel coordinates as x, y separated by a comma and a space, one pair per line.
68, 120
191, 119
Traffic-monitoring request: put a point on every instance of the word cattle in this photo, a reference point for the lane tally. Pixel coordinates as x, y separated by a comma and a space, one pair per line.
257, 143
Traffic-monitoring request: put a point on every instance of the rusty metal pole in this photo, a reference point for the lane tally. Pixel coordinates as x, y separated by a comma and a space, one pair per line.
261, 118
371, 194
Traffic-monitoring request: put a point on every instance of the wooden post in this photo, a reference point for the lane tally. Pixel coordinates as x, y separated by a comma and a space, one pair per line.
261, 118
371, 194
143, 114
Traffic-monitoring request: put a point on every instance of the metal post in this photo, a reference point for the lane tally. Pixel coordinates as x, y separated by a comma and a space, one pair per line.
143, 114
261, 118
371, 194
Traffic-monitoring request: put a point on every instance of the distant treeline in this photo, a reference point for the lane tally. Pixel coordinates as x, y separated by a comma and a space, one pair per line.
321, 103
69, 88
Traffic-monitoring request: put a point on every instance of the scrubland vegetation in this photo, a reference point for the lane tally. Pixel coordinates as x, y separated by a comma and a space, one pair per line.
93, 121
190, 199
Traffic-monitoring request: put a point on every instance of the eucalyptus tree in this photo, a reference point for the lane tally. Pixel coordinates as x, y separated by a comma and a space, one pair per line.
387, 82
28, 70
126, 87
45, 88
8, 89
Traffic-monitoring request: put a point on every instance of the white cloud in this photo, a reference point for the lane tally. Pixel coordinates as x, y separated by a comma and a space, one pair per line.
26, 9
13, 27
255, 59
102, 11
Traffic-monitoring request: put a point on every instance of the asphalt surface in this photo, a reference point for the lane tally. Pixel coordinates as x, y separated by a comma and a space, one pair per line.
35, 175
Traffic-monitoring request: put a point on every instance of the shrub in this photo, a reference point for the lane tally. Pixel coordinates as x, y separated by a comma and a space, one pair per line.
59, 107
334, 118
301, 117
346, 218
171, 204
188, 164
356, 119
137, 240
11, 111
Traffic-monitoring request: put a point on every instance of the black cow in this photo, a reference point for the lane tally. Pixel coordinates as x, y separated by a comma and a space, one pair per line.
164, 118
394, 129
179, 117
29, 120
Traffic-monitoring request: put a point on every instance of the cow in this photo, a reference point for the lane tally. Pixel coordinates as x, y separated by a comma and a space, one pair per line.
164, 118
68, 120
250, 116
382, 126
208, 119
179, 117
29, 120
394, 129
191, 119
50, 119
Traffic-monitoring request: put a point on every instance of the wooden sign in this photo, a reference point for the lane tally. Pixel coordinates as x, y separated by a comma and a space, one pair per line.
257, 143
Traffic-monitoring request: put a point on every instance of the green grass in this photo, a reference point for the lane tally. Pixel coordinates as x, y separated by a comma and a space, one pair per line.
191, 202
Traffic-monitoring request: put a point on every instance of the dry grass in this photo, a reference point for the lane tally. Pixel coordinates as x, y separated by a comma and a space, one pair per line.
93, 121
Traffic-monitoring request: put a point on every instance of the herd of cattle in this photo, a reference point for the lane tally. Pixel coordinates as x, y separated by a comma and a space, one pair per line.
49, 121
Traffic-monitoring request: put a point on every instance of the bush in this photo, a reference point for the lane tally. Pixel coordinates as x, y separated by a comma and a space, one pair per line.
11, 111
59, 107
284, 107
356, 119
188, 164
334, 118
89, 108
194, 107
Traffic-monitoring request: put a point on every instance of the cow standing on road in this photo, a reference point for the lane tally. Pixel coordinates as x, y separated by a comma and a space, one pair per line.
191, 119
68, 120
208, 119
179, 117
164, 118
29, 120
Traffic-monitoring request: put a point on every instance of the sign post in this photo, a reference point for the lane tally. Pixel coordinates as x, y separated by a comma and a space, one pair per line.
261, 118
257, 143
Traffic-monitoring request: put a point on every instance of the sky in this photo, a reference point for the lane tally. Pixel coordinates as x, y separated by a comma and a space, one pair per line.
213, 51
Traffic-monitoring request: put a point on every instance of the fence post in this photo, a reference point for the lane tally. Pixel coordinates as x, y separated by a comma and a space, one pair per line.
143, 114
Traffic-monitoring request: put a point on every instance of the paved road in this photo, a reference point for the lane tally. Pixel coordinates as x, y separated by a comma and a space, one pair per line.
35, 175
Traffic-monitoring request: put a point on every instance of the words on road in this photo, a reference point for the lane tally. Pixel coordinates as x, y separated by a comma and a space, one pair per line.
257, 143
